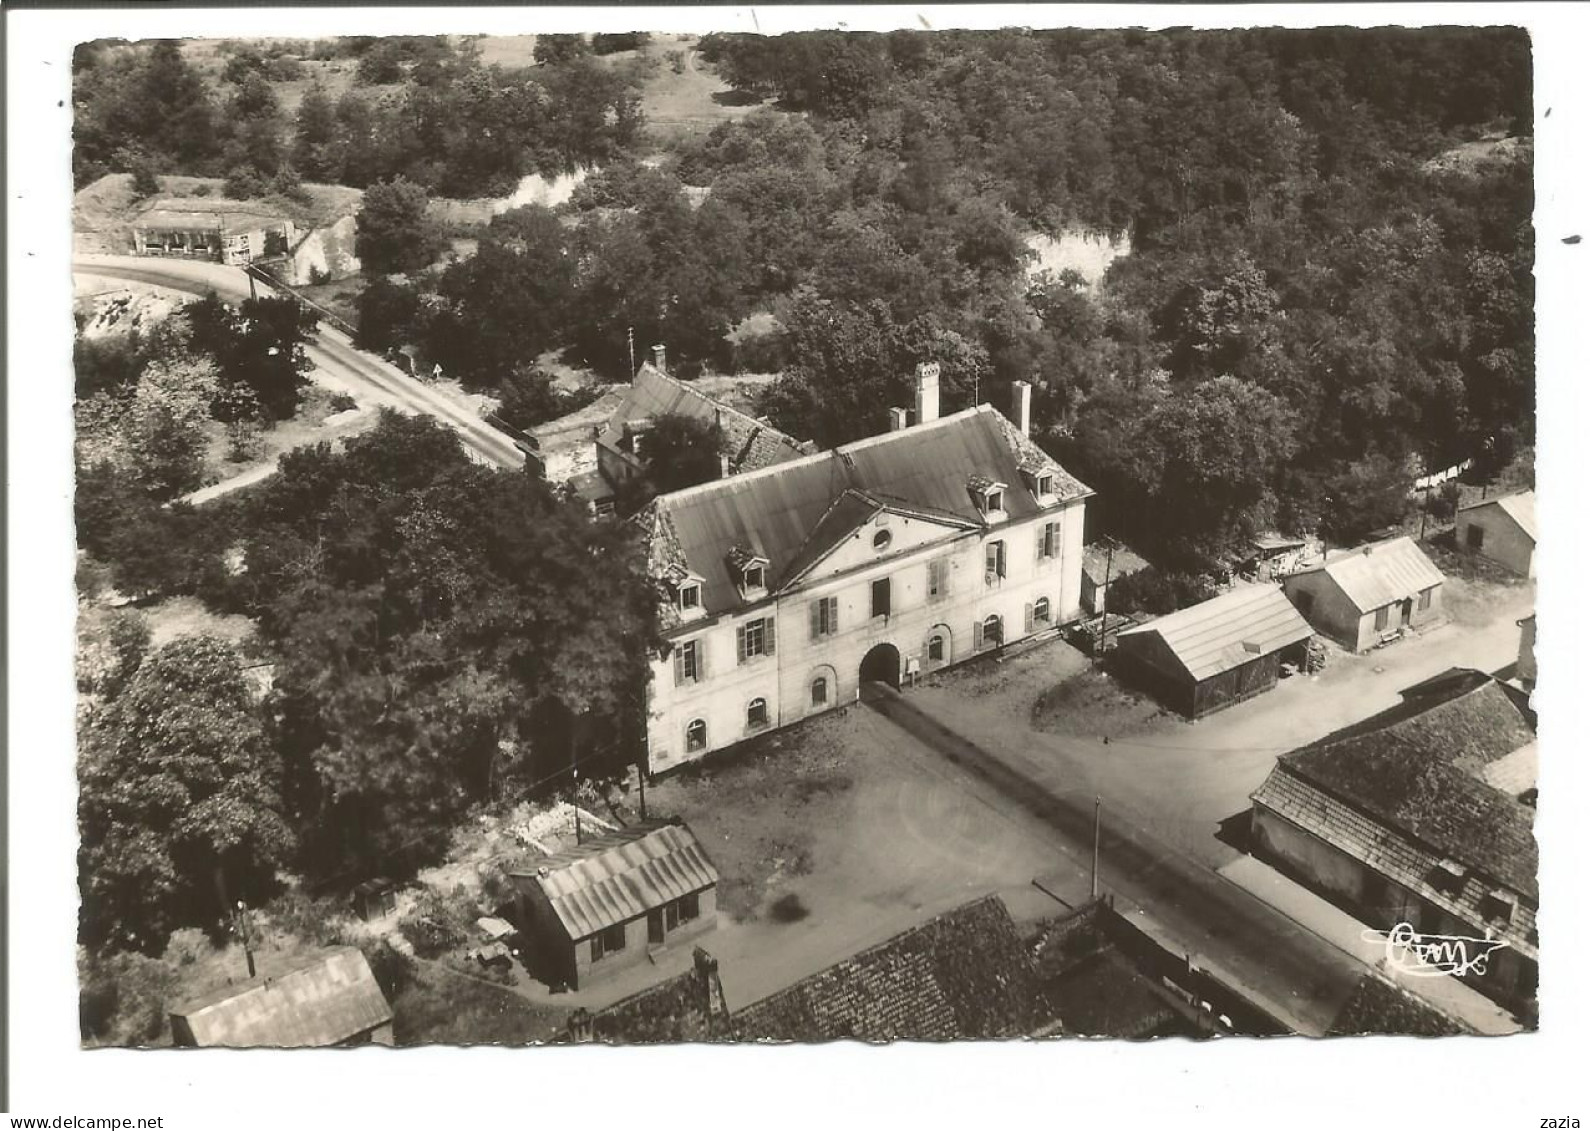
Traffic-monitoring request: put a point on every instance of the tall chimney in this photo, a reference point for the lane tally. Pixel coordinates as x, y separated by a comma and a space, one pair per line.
659, 358
1021, 405
899, 418
927, 392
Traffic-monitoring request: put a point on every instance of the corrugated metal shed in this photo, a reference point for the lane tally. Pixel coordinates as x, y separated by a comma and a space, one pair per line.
1229, 631
1380, 574
924, 470
1520, 508
622, 875
323, 1003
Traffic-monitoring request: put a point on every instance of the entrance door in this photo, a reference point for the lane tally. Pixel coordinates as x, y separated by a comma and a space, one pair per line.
1407, 612
882, 665
654, 928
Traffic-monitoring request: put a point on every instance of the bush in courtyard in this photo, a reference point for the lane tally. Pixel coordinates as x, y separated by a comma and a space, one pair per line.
1158, 592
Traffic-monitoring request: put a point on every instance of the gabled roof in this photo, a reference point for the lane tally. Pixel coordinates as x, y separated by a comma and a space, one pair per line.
621, 875
1377, 575
920, 470
748, 443
1519, 507
963, 976
323, 1002
1097, 559
1228, 631
1417, 769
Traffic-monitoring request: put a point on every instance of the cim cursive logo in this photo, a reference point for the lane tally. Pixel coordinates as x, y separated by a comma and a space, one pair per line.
1433, 956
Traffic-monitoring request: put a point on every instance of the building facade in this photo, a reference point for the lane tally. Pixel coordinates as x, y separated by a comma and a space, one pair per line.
1369, 595
786, 589
1501, 529
224, 231
613, 901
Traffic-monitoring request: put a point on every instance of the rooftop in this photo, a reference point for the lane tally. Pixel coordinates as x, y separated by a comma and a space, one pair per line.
922, 470
621, 875
1519, 507
320, 1003
748, 443
1098, 559
1419, 769
194, 213
1376, 575
964, 975
1228, 631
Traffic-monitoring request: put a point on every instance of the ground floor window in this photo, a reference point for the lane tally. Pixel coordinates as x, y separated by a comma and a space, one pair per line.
1040, 610
696, 736
993, 632
690, 907
609, 941
1476, 537
936, 648
756, 714
1382, 618
1424, 598
820, 691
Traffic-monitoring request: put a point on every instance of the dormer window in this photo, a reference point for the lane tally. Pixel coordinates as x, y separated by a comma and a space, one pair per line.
1045, 485
689, 597
751, 569
989, 495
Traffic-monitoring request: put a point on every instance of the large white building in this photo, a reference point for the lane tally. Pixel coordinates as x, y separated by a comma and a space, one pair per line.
786, 589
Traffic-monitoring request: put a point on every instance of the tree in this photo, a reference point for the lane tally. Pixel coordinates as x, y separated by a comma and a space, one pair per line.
679, 452
164, 426
554, 48
259, 346
315, 150
180, 795
395, 231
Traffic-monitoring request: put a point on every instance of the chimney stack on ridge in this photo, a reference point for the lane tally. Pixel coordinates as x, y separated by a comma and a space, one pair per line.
927, 392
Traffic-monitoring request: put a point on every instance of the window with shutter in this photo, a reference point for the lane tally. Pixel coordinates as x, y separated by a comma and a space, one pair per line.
739, 636
767, 628
817, 618
679, 665
833, 614
938, 578
880, 597
977, 637
1027, 617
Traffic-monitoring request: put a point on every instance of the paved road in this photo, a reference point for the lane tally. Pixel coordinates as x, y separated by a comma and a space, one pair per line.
332, 350
1288, 970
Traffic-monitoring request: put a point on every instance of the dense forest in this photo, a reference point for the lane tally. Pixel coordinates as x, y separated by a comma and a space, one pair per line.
1319, 299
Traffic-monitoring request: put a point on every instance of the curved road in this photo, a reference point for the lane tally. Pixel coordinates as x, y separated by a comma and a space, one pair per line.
331, 350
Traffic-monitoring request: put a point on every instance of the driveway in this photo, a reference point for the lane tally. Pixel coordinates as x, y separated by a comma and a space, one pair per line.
1178, 779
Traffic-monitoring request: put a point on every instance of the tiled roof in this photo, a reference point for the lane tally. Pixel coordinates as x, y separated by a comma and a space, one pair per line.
621, 875
1228, 631
923, 469
322, 1003
962, 976
748, 443
1096, 559
1380, 574
1520, 508
1414, 774
1515, 773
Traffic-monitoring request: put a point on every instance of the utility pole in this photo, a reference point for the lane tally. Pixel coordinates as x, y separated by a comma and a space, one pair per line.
641, 772
632, 353
240, 925
1095, 846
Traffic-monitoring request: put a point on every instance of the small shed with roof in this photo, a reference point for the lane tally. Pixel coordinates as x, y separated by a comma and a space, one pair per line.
1501, 529
610, 902
1216, 653
332, 999
227, 231
1367, 596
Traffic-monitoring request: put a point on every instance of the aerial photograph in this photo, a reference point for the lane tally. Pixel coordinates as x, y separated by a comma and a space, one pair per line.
645, 537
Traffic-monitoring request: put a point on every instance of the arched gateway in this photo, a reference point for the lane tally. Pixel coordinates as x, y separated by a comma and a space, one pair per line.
881, 664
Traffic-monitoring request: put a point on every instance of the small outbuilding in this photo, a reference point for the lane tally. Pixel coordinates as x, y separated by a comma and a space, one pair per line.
607, 904
1102, 566
226, 231
1369, 595
1217, 653
1501, 529
330, 1000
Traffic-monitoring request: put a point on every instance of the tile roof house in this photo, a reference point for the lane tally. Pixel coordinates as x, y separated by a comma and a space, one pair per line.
1215, 653
783, 589
1502, 529
964, 975
1421, 814
1366, 596
744, 442
330, 1000
1103, 566
607, 904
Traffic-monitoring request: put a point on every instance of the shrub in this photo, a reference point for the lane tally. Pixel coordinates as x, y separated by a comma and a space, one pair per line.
342, 402
437, 924
1158, 592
